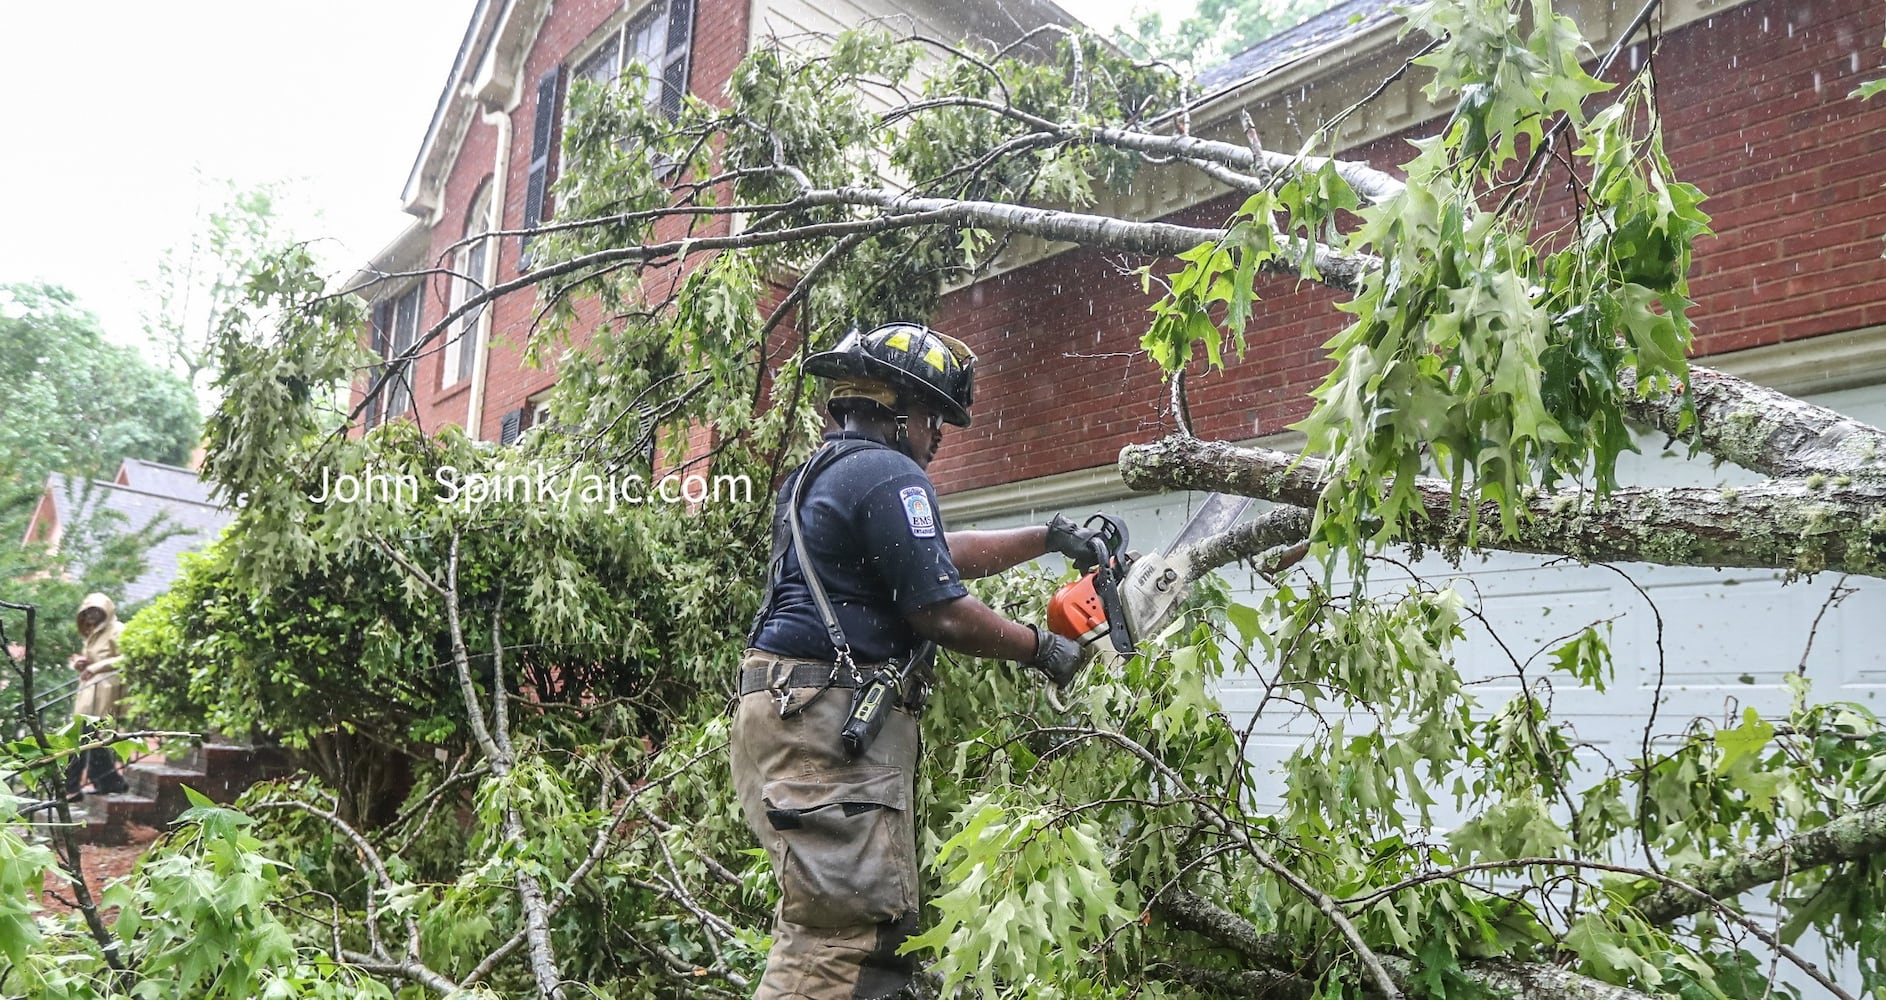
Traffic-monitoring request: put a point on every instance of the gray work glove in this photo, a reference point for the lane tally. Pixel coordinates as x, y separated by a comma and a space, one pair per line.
1055, 655
1069, 539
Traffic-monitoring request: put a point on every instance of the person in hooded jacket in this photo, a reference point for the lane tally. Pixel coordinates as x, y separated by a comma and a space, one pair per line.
99, 688
883, 590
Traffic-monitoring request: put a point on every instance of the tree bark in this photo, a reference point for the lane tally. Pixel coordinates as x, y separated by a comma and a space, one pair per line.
1244, 984
1266, 167
1193, 912
1796, 525
1856, 835
1503, 977
1281, 525
1761, 429
1164, 239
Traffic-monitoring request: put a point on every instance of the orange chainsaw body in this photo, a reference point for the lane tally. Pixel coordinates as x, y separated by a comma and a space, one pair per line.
1090, 609
1075, 611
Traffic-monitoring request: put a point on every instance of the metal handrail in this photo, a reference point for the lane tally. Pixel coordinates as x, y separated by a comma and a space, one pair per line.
59, 695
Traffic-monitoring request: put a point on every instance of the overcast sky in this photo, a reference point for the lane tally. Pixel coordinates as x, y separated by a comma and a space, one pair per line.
125, 117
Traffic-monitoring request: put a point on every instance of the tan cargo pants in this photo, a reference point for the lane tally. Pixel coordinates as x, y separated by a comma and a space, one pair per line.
841, 838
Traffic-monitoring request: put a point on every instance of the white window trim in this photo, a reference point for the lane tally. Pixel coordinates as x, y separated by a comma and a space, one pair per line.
614, 35
472, 260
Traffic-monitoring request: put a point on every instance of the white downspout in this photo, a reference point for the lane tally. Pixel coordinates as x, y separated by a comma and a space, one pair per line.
500, 170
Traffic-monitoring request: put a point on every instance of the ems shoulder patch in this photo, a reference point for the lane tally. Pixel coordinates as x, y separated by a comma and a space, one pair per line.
917, 512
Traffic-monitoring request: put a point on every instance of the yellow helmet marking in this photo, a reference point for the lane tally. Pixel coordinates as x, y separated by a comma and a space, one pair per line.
935, 357
899, 340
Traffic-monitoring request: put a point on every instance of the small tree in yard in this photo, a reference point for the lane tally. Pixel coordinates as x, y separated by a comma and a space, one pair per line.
570, 829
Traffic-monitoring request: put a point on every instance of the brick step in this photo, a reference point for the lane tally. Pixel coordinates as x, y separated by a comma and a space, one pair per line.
164, 783
107, 816
220, 771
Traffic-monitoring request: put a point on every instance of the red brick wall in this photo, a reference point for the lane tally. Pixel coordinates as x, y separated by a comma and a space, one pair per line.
720, 35
1756, 114
1795, 170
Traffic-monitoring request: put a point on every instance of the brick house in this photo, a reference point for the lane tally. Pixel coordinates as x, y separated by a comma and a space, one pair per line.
489, 156
1791, 290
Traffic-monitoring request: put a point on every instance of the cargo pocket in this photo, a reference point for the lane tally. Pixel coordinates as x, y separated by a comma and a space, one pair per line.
846, 851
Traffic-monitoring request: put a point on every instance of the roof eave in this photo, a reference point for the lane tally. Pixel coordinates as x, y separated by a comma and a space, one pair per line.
419, 195
1312, 64
407, 252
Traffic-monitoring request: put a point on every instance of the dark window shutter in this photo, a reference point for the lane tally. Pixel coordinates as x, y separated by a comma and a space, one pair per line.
379, 336
545, 132
510, 426
674, 73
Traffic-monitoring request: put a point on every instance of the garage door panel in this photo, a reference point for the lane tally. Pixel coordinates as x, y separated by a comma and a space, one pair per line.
1856, 658
1729, 632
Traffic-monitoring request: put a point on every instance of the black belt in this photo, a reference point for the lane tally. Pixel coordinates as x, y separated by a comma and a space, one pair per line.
817, 674
803, 675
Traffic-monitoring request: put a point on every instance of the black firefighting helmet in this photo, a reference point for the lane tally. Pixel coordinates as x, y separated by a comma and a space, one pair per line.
916, 361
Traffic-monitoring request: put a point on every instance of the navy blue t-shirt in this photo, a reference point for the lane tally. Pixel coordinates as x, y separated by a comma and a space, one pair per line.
871, 528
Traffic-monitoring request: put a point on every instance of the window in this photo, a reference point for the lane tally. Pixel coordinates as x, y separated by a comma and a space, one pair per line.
395, 327
534, 413
656, 37
468, 264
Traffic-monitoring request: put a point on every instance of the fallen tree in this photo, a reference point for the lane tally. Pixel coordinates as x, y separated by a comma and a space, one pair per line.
574, 830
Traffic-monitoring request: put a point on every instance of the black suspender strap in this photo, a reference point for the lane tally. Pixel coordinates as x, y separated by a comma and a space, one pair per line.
786, 531
832, 629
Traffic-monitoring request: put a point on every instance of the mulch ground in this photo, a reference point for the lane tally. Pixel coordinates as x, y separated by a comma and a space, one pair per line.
102, 865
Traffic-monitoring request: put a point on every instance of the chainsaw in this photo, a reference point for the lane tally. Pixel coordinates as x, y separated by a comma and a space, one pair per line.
1120, 595
1090, 608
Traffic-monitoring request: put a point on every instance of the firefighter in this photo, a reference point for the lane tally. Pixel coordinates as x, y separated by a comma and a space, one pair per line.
886, 588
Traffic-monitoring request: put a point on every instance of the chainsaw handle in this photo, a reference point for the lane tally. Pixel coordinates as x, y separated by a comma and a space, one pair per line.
1106, 544
1107, 586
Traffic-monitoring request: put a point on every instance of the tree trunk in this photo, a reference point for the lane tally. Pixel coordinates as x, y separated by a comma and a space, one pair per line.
1803, 526
1852, 837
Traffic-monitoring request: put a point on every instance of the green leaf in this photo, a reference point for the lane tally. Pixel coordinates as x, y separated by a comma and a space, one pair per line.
1246, 620
1609, 952
1751, 737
